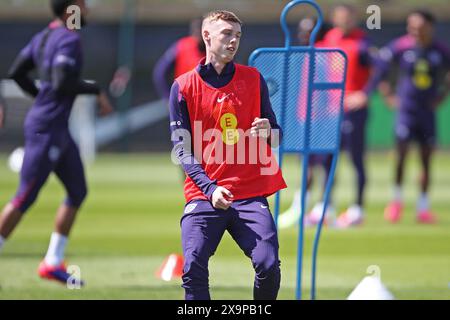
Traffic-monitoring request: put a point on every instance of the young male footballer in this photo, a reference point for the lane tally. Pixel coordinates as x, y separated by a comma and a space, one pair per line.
222, 126
56, 54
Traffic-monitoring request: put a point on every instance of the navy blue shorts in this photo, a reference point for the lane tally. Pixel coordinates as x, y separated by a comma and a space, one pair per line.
47, 152
251, 225
419, 127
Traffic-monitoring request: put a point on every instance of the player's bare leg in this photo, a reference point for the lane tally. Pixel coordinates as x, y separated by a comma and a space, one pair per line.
402, 152
424, 214
65, 217
425, 157
9, 219
393, 211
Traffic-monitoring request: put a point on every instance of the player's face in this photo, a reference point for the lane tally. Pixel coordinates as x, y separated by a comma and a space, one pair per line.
344, 19
304, 29
419, 28
222, 39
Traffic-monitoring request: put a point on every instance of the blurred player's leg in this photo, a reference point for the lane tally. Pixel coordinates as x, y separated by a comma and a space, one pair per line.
2, 241
9, 219
290, 217
314, 216
65, 217
35, 171
353, 140
424, 214
202, 228
253, 228
427, 134
70, 171
393, 212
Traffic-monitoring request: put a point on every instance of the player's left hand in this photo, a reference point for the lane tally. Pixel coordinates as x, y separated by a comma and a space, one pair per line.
222, 198
104, 104
260, 128
355, 100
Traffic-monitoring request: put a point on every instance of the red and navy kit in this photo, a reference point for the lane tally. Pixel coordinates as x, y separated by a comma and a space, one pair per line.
183, 56
181, 117
188, 55
353, 130
232, 100
357, 48
228, 109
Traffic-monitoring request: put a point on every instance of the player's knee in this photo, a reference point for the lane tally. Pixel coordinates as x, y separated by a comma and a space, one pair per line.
83, 194
76, 198
23, 201
269, 271
22, 206
271, 268
266, 263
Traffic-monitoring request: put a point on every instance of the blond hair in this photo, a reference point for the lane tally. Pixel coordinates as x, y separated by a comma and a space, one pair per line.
221, 15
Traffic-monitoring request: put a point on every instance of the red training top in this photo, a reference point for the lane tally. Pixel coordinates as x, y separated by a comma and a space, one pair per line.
357, 74
220, 121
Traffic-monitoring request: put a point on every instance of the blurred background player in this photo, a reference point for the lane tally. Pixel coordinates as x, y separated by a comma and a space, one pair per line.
225, 195
56, 54
2, 112
347, 36
304, 28
183, 56
292, 214
424, 65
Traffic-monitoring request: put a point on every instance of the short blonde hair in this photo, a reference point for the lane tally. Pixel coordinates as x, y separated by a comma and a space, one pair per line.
221, 15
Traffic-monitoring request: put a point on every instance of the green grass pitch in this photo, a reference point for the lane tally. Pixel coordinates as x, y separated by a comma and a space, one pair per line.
130, 223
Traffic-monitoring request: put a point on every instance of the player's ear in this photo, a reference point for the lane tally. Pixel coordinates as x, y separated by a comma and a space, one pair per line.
206, 36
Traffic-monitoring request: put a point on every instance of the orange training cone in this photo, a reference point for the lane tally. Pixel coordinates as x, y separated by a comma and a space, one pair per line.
172, 267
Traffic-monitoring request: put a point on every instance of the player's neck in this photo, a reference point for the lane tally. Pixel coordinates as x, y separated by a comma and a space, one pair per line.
216, 63
425, 43
346, 32
57, 22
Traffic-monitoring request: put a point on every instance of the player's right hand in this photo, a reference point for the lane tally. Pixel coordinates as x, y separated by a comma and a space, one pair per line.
104, 104
390, 98
355, 100
391, 101
222, 198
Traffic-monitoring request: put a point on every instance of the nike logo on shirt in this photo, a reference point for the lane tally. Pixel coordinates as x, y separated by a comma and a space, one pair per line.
220, 100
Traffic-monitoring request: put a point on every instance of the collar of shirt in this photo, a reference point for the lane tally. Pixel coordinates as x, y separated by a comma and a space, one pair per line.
209, 74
